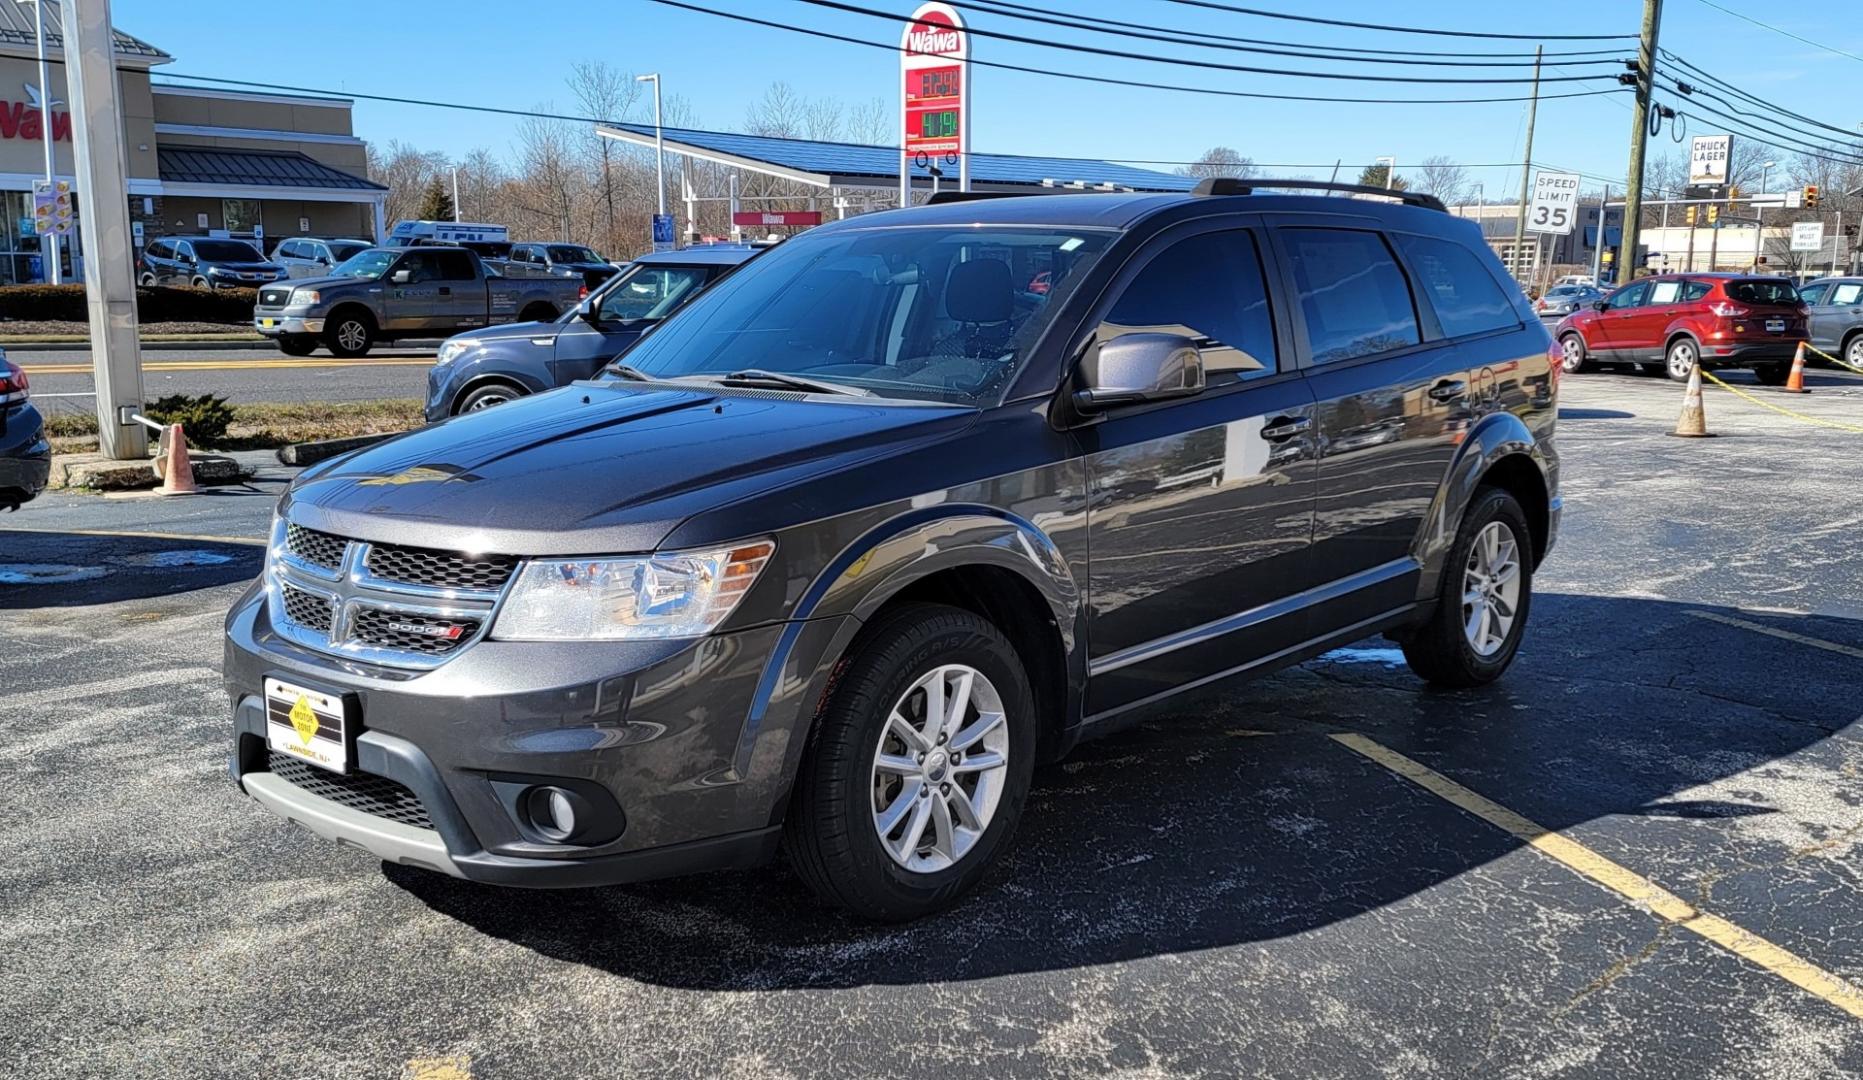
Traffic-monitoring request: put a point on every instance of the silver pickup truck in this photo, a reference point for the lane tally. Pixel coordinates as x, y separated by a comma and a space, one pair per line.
386, 293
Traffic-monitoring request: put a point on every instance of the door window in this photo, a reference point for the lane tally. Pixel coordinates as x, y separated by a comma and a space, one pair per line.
1353, 297
420, 265
651, 292
1665, 292
1846, 293
1628, 297
1467, 298
455, 266
1210, 288
1694, 290
184, 250
1813, 295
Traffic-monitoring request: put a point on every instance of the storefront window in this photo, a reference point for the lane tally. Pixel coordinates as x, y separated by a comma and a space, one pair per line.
239, 215
19, 245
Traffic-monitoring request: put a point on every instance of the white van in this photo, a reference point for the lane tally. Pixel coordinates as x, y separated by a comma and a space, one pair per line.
414, 233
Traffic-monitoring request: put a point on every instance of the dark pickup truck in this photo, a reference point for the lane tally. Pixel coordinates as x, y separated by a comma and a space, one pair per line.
386, 293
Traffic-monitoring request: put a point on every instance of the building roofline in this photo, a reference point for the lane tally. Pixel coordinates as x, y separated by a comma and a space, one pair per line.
178, 90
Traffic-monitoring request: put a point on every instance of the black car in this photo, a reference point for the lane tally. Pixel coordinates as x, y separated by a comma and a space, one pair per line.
206, 262
869, 529
25, 456
482, 368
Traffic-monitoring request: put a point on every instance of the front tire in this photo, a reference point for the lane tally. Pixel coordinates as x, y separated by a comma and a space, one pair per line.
297, 344
1679, 362
1482, 603
199, 283
349, 335
918, 766
1572, 355
486, 397
1853, 351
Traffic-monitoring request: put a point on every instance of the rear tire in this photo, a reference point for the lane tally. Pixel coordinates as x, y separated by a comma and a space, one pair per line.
349, 334
1853, 351
1573, 357
297, 344
1459, 646
1681, 358
875, 824
1772, 374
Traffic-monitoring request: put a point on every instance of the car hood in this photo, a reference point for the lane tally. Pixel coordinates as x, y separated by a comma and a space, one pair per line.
597, 467
522, 331
246, 268
328, 282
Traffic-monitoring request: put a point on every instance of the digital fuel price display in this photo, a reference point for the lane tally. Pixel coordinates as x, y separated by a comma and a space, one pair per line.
934, 110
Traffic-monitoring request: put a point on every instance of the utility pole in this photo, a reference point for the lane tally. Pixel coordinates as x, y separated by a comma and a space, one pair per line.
1526, 169
103, 205
1639, 137
1597, 242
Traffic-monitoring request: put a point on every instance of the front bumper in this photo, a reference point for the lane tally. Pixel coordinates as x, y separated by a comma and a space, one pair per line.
687, 740
279, 325
25, 456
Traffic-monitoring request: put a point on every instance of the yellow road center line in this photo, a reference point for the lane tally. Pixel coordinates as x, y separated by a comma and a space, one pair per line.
138, 535
1631, 886
1762, 628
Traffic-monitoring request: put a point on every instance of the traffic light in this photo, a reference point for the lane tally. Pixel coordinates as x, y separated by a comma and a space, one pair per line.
1689, 216
1811, 197
1714, 212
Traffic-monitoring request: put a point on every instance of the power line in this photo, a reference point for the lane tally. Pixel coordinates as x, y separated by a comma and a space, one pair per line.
1849, 133
1109, 81
1396, 29
1778, 30
1210, 65
1303, 50
1762, 135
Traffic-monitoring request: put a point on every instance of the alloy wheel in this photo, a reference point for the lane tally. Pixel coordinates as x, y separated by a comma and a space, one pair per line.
352, 335
1681, 359
486, 401
1491, 589
1855, 356
940, 768
1572, 353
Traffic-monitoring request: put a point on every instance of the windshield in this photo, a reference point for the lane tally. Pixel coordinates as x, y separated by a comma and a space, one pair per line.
570, 253
1763, 291
231, 251
369, 263
930, 313
340, 251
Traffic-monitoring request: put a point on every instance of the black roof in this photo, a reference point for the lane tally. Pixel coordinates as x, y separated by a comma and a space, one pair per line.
258, 168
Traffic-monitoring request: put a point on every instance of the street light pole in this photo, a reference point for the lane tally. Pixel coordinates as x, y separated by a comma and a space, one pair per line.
455, 193
659, 145
1390, 170
48, 242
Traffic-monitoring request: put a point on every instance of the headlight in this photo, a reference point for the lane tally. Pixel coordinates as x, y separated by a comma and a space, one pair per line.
304, 297
682, 594
452, 350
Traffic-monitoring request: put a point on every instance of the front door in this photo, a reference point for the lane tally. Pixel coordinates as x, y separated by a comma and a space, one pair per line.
621, 313
1611, 331
1200, 511
407, 303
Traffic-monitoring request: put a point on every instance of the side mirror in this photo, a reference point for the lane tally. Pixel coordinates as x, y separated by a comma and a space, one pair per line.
1136, 368
401, 277
585, 310
1600, 305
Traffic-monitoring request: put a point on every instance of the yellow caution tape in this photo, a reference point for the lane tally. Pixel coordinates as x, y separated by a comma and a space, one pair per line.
1809, 347
1737, 392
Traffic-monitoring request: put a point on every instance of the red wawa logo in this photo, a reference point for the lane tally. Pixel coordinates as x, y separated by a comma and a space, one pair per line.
25, 119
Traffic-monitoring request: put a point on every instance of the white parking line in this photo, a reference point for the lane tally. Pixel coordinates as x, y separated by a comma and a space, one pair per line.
106, 686
1762, 628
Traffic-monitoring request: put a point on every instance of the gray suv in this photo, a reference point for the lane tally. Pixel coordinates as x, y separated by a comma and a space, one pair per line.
839, 554
308, 257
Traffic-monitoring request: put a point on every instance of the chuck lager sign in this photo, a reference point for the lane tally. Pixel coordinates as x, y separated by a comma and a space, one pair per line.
26, 119
934, 63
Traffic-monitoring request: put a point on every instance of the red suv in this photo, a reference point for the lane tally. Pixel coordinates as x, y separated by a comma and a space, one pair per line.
1671, 322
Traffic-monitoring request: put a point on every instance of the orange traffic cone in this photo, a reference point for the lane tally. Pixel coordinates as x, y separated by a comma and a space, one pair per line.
1693, 423
177, 470
1795, 382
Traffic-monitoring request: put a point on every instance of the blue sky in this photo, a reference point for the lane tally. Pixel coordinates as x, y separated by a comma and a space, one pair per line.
505, 54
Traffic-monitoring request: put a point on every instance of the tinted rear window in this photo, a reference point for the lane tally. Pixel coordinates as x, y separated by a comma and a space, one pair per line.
1467, 298
1353, 297
1762, 291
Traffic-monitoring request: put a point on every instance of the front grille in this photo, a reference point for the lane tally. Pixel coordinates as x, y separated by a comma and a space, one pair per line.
371, 794
308, 610
273, 297
440, 569
316, 548
405, 631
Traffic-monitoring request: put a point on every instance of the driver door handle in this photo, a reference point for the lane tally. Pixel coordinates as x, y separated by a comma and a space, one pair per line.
1448, 390
446, 290
1285, 427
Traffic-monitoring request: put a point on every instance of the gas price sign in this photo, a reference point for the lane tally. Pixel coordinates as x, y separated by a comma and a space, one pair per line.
934, 110
934, 65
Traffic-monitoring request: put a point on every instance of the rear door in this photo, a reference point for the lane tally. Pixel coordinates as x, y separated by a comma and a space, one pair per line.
1199, 511
460, 300
1396, 396
1611, 331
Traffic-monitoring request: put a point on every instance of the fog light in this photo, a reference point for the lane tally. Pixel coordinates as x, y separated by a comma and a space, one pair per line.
553, 811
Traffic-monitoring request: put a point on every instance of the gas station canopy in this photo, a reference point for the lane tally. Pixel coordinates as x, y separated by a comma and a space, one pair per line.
857, 165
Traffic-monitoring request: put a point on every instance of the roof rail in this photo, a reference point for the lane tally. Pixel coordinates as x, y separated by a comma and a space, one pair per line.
1229, 185
950, 196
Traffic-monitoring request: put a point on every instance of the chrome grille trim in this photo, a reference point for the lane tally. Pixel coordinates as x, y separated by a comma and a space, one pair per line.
362, 605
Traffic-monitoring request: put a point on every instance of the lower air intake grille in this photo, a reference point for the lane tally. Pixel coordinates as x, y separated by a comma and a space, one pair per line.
366, 792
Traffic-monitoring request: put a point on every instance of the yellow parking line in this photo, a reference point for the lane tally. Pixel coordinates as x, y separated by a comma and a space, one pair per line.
1631, 886
226, 365
1762, 628
138, 535
458, 1067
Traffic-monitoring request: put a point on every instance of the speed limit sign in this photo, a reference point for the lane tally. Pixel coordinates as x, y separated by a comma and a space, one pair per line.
1554, 208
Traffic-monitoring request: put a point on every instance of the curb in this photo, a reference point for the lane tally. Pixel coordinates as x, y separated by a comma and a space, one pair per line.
310, 453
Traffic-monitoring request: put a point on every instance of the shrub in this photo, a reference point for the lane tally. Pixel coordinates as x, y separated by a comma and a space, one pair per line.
203, 419
154, 303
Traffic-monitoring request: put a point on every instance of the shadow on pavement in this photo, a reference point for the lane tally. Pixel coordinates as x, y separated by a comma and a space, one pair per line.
1231, 818
58, 569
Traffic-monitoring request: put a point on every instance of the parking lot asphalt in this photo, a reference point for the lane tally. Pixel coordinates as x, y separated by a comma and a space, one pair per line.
1330, 872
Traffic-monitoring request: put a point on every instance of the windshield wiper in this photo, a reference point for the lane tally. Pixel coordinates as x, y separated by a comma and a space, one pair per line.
755, 376
627, 371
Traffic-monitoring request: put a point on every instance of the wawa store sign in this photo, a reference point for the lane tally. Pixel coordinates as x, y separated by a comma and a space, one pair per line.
26, 119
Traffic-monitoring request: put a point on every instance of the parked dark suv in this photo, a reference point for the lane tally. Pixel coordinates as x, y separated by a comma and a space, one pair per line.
206, 262
870, 528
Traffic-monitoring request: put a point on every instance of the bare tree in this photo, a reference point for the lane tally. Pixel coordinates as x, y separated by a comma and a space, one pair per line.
605, 94
553, 180
407, 172
1219, 161
1442, 177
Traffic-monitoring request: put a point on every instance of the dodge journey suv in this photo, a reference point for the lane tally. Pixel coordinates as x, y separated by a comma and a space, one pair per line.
831, 561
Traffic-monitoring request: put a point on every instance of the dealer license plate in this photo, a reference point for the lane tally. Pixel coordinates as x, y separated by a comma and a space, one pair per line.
306, 724
1775, 326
